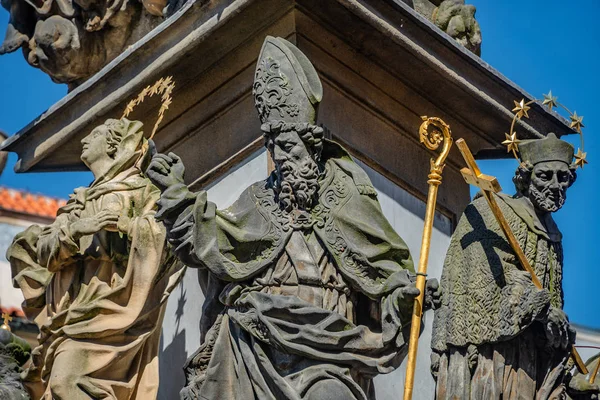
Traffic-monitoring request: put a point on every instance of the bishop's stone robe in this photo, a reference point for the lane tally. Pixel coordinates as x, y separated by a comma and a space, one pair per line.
293, 299
488, 342
98, 301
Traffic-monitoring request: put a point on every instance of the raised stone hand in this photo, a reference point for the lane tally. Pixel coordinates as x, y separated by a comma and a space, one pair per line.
165, 170
104, 220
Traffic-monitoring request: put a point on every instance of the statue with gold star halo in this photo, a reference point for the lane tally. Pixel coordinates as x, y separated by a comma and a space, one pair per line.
96, 280
496, 335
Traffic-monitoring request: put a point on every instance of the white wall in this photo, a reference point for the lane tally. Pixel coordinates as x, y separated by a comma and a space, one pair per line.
181, 327
181, 335
406, 213
9, 296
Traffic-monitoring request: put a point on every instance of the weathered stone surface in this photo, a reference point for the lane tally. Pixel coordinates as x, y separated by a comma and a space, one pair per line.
96, 280
383, 66
496, 335
14, 353
455, 18
308, 288
580, 387
71, 40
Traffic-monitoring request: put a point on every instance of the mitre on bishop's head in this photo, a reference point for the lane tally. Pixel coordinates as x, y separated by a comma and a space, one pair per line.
286, 85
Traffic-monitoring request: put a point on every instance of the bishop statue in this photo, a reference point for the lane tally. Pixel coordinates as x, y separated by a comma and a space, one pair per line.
309, 290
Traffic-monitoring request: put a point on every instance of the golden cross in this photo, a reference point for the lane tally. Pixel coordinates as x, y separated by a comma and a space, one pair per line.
489, 186
7, 318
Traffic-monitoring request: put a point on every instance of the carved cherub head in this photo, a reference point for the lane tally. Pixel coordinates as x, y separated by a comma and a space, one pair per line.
458, 20
545, 173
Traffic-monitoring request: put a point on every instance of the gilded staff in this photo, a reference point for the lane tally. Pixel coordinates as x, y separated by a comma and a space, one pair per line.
593, 376
439, 134
489, 185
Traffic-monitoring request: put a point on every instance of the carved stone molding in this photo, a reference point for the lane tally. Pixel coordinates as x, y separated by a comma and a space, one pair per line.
455, 18
71, 40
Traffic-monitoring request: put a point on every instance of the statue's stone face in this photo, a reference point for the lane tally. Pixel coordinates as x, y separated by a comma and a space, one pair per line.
95, 147
548, 187
297, 171
288, 146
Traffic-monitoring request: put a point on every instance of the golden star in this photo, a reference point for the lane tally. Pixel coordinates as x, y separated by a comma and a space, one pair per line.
521, 109
576, 122
580, 158
549, 100
511, 142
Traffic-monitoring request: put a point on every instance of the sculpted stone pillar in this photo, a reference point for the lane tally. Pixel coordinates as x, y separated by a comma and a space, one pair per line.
71, 40
96, 280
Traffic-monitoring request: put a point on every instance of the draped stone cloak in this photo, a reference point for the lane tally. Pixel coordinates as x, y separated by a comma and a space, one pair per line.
99, 301
234, 248
486, 340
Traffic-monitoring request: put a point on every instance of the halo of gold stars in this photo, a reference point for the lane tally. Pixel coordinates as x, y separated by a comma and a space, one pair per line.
521, 110
550, 101
512, 143
576, 122
580, 158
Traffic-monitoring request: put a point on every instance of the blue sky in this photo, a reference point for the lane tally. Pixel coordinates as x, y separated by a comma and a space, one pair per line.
540, 45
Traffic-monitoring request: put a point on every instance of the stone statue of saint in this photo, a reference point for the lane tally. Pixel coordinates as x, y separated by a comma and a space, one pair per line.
496, 336
309, 290
96, 280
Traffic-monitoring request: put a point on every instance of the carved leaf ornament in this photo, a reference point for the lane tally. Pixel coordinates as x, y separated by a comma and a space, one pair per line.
272, 91
163, 87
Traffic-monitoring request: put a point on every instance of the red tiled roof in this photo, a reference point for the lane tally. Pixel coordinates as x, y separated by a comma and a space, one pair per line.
27, 203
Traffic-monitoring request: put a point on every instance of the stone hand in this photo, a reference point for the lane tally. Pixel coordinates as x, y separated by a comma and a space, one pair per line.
558, 331
104, 220
165, 170
581, 388
405, 299
433, 295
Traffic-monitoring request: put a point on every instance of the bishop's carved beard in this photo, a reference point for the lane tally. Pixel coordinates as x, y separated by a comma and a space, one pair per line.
297, 184
545, 199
